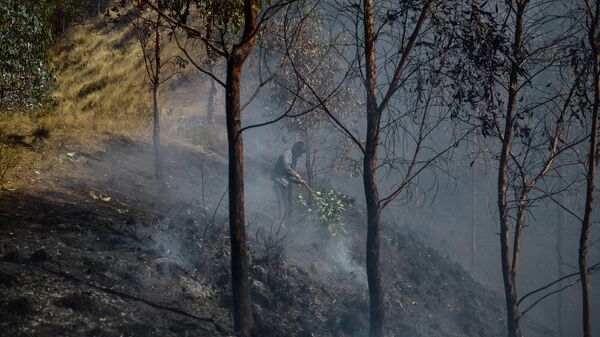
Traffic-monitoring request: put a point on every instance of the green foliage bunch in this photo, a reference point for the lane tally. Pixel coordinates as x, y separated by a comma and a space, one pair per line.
25, 81
328, 208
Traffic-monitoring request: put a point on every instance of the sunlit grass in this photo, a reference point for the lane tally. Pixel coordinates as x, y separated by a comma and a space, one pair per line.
100, 85
102, 91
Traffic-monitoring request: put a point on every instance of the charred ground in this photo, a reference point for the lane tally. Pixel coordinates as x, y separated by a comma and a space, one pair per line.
154, 260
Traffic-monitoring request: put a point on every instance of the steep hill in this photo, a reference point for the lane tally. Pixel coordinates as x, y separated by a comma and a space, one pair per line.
91, 245
154, 261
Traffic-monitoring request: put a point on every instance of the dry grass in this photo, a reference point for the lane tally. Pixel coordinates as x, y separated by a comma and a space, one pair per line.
102, 92
101, 86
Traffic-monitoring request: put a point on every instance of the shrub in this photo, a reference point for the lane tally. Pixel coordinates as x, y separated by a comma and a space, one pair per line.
327, 208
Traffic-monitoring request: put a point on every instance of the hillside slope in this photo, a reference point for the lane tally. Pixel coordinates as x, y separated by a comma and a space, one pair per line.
154, 260
91, 245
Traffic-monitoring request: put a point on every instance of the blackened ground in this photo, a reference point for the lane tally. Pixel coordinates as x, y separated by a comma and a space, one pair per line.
154, 261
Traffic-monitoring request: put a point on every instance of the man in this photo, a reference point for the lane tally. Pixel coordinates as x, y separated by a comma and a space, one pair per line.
283, 174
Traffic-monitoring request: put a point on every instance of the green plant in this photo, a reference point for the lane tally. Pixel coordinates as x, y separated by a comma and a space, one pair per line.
327, 208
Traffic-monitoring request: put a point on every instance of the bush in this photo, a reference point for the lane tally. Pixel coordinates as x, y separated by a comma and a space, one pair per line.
327, 208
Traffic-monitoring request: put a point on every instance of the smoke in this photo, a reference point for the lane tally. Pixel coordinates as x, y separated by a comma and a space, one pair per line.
337, 253
169, 246
441, 213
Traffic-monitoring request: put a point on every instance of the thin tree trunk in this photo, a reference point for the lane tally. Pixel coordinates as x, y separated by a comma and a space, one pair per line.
242, 305
210, 108
516, 253
473, 228
376, 295
591, 171
155, 98
559, 248
510, 287
311, 178
242, 311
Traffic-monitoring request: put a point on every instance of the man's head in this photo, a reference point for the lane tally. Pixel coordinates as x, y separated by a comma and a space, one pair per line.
298, 149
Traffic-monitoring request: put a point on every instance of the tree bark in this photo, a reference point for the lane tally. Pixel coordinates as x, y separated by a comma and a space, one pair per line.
591, 171
210, 107
155, 98
376, 295
311, 177
516, 253
242, 311
559, 248
473, 222
242, 305
510, 287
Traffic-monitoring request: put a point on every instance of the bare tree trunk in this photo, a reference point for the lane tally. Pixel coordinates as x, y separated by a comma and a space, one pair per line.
376, 296
242, 305
210, 107
516, 252
242, 311
155, 105
311, 177
510, 287
473, 228
559, 248
591, 171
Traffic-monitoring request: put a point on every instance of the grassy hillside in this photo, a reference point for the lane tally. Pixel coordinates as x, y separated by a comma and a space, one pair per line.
153, 259
102, 92
100, 84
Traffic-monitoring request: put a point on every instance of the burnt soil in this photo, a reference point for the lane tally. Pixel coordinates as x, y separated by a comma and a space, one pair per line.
154, 261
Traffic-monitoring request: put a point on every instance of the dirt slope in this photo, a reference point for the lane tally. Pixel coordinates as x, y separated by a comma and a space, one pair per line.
154, 261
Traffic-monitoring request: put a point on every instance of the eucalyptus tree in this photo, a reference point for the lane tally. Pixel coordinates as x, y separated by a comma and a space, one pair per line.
516, 85
308, 49
235, 28
150, 32
586, 56
397, 57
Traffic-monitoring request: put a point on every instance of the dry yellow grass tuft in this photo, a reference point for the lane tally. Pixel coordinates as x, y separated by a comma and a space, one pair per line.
100, 85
